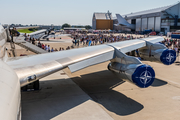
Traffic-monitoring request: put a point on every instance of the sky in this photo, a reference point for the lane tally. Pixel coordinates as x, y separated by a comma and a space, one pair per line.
73, 12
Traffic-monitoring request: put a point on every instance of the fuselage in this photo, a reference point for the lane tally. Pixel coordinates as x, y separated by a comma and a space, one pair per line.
9, 85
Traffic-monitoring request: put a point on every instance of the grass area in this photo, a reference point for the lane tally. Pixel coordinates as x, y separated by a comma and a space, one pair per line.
26, 31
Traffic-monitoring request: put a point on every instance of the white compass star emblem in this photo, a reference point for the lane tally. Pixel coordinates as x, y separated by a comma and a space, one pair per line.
145, 77
169, 57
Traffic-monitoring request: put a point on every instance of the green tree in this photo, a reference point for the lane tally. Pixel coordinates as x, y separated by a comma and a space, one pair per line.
65, 25
88, 27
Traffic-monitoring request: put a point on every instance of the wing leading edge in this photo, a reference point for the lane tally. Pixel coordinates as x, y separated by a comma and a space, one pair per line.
31, 68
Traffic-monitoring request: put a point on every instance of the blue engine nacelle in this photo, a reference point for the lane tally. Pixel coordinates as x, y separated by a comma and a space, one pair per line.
139, 74
168, 57
158, 53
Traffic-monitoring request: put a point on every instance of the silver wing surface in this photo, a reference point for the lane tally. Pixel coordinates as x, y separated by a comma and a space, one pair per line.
31, 68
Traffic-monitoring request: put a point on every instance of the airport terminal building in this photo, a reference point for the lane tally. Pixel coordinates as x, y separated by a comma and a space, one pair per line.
163, 19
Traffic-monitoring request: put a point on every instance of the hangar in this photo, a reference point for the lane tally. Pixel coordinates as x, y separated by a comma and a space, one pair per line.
102, 21
163, 19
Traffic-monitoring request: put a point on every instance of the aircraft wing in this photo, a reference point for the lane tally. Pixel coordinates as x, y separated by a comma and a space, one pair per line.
31, 68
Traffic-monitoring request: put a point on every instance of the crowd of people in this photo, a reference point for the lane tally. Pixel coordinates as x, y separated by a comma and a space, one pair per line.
50, 49
172, 44
84, 39
41, 45
44, 46
94, 39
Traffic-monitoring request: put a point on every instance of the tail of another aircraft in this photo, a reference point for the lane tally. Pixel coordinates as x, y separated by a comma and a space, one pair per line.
123, 22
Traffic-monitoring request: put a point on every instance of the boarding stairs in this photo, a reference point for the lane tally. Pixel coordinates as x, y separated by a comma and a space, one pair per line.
21, 42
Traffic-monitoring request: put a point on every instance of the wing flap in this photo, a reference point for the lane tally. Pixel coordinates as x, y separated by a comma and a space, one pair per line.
92, 61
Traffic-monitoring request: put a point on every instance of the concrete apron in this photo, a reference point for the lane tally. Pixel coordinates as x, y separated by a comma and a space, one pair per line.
60, 99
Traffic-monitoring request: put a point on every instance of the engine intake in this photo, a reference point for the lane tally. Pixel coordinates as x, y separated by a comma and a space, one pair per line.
143, 76
168, 57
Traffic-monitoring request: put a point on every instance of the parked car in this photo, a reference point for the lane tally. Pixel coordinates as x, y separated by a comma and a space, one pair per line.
152, 33
161, 34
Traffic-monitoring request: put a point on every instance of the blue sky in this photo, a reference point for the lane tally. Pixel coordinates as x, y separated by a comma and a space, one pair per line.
74, 12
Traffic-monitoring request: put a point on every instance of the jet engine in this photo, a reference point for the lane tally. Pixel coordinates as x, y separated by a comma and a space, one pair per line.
140, 74
132, 69
158, 53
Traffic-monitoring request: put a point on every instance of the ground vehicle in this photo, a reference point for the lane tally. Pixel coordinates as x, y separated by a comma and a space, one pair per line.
161, 33
147, 31
175, 36
152, 33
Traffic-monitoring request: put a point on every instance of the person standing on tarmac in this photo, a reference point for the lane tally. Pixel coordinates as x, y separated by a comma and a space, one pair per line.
52, 50
33, 41
39, 44
78, 42
75, 41
176, 50
46, 47
49, 48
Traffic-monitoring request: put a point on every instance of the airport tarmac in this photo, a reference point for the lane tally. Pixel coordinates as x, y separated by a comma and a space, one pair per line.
60, 99
125, 101
96, 93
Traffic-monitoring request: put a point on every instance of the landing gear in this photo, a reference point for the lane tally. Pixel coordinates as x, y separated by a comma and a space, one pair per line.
36, 85
33, 86
108, 67
24, 88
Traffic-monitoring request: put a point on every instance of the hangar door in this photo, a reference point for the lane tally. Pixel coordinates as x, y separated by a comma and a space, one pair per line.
144, 24
138, 24
151, 23
158, 24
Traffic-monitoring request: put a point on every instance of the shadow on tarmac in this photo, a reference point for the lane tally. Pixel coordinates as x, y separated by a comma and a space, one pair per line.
58, 96
99, 87
54, 98
158, 83
178, 64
